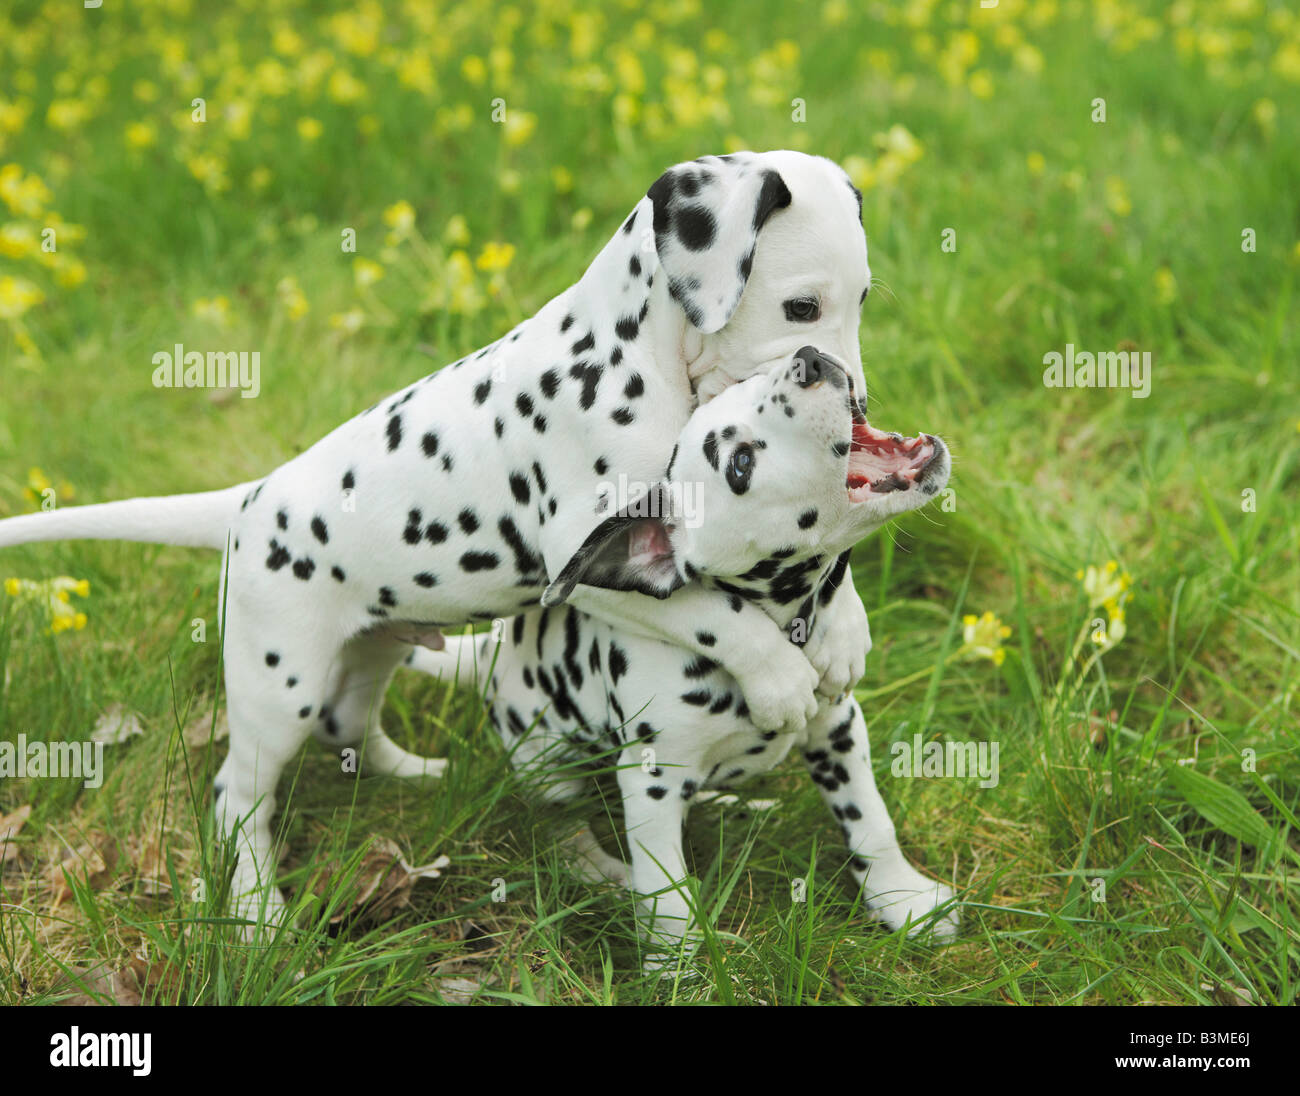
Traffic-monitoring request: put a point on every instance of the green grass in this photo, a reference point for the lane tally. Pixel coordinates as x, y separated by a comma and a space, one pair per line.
1199, 861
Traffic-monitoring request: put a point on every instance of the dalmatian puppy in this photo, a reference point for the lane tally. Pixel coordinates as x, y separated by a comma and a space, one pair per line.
458, 498
786, 472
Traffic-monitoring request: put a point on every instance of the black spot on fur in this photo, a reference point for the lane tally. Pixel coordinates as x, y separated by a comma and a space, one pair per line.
695, 227
519, 487
467, 520
272, 659
617, 662
808, 518
394, 432
319, 531
479, 561
278, 558
429, 443
711, 449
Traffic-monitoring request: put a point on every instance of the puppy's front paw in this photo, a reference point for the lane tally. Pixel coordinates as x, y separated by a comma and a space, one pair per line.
839, 645
782, 696
927, 912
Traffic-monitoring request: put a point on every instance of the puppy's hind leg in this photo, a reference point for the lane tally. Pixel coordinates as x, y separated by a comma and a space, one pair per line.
268, 725
348, 717
838, 757
654, 811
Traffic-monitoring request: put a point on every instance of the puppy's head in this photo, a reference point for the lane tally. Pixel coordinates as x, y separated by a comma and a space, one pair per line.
765, 253
780, 466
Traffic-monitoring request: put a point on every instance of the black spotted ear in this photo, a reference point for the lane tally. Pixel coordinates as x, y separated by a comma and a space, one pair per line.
631, 550
707, 215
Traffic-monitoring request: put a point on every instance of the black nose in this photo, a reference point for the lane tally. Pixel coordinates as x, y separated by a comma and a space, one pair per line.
813, 366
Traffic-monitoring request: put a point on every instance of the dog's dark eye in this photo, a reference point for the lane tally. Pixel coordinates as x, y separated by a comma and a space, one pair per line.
740, 468
802, 309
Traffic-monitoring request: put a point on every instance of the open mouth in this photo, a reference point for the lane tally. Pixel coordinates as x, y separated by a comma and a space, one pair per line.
880, 463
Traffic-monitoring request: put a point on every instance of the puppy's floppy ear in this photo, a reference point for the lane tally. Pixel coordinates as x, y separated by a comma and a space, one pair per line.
707, 215
631, 550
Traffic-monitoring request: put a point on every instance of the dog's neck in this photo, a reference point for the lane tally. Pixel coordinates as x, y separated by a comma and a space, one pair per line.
788, 589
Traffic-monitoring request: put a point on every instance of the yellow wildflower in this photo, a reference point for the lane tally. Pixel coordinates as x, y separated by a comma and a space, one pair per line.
860, 172
400, 217
495, 257
215, 311
366, 272
464, 298
519, 125
38, 483
349, 322
18, 240
1035, 163
66, 114
70, 273
26, 196
210, 170
53, 595
17, 295
1106, 585
1117, 199
292, 297
141, 134
982, 637
309, 129
343, 87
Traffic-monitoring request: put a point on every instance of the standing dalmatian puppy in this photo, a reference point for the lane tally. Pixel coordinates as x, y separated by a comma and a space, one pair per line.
762, 457
461, 496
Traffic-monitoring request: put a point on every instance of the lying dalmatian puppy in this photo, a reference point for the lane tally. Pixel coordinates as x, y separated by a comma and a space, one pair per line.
763, 458
458, 498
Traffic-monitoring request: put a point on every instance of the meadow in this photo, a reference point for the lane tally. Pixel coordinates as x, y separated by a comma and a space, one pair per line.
1110, 592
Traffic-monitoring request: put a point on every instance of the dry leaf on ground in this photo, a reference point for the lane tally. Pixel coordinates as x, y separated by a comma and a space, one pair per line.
10, 824
115, 725
383, 882
199, 731
92, 861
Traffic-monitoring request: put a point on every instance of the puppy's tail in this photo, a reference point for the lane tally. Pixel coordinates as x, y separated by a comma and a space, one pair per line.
464, 663
187, 521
